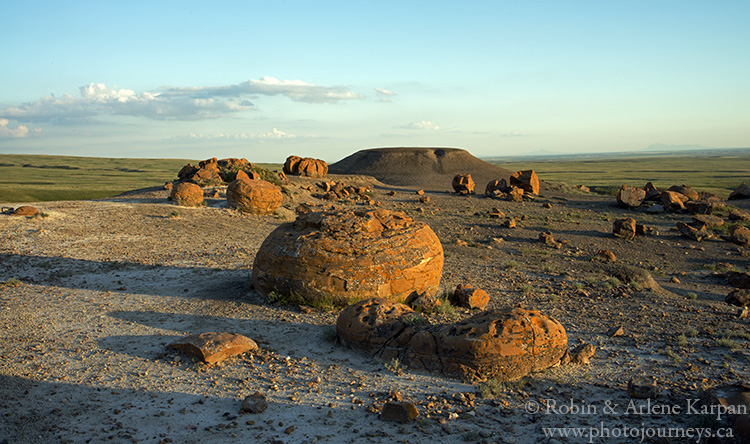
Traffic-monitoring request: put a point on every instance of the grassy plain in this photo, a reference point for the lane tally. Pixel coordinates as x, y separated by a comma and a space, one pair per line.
30, 178
718, 174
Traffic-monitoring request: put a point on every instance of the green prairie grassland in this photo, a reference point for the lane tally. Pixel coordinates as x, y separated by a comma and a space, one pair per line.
717, 174
31, 178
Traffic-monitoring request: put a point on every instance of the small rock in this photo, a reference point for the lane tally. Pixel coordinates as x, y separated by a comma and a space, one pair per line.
402, 412
655, 209
547, 205
214, 347
739, 235
509, 223
581, 354
624, 228
642, 387
739, 298
615, 331
741, 192
463, 184
25, 210
606, 256
419, 192
469, 297
692, 232
675, 280
255, 403
424, 199
547, 239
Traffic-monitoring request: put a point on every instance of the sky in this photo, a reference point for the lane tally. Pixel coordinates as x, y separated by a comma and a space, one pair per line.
324, 79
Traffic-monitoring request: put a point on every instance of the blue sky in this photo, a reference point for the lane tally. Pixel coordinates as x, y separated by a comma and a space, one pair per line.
264, 80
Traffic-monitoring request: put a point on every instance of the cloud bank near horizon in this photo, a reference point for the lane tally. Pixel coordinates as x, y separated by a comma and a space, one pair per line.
172, 103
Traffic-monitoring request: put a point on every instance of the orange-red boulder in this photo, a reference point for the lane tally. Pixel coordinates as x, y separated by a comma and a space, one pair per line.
344, 256
214, 347
254, 196
685, 190
630, 197
500, 344
469, 297
495, 187
463, 184
673, 201
527, 180
741, 192
25, 210
624, 228
305, 166
187, 194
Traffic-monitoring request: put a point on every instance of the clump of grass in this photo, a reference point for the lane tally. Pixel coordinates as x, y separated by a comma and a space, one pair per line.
726, 341
490, 388
577, 286
526, 289
510, 264
393, 365
12, 282
554, 297
329, 334
676, 359
635, 286
613, 281
414, 319
682, 340
174, 214
445, 307
39, 215
692, 295
590, 280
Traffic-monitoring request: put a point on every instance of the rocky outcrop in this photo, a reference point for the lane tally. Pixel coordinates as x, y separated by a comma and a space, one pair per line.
463, 184
205, 174
305, 166
254, 196
501, 344
187, 194
344, 256
527, 180
214, 347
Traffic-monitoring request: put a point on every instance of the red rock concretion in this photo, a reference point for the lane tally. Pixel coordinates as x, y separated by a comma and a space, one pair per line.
624, 228
629, 196
527, 180
463, 184
187, 194
305, 166
214, 347
254, 196
685, 190
495, 186
469, 297
25, 210
349, 255
501, 344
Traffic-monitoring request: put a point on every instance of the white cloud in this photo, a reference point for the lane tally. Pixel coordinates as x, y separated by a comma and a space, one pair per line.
273, 134
384, 95
19, 131
190, 103
422, 125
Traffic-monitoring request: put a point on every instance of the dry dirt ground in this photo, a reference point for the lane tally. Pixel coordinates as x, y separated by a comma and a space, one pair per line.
106, 285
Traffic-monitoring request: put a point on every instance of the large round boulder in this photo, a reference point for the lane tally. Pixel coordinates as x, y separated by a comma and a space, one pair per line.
305, 166
187, 194
501, 344
343, 256
254, 196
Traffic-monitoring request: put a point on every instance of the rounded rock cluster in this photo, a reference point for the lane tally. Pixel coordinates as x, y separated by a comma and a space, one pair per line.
342, 256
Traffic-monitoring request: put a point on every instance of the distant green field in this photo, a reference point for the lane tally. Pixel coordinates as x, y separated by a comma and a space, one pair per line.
30, 178
714, 174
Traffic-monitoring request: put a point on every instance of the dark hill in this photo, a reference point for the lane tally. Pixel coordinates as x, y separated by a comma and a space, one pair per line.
429, 168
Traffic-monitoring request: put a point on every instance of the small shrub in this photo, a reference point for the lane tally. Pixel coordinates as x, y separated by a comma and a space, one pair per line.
635, 286
491, 388
526, 289
174, 214
12, 282
613, 281
329, 334
692, 295
510, 264
682, 340
393, 365
578, 286
414, 319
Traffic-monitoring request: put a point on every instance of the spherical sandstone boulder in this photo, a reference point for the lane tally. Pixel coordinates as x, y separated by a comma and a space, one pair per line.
254, 196
305, 166
187, 194
344, 256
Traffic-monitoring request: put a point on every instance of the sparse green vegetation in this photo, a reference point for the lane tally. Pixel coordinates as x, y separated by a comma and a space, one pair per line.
12, 282
174, 214
393, 365
682, 340
692, 295
691, 333
329, 333
577, 286
526, 289
324, 303
414, 319
510, 264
